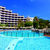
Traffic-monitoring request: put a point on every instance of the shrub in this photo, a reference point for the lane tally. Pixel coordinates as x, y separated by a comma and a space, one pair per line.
48, 26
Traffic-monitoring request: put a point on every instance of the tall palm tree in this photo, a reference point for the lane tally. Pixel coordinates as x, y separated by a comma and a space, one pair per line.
36, 18
35, 22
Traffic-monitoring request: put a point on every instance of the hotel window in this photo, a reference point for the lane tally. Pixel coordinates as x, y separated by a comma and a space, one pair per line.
12, 21
12, 14
9, 16
21, 17
9, 12
2, 11
3, 8
15, 15
9, 19
12, 17
5, 21
2, 18
24, 19
2, 15
18, 17
15, 23
15, 19
5, 16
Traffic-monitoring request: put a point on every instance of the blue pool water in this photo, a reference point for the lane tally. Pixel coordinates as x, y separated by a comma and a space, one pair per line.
37, 43
33, 44
4, 42
13, 41
21, 33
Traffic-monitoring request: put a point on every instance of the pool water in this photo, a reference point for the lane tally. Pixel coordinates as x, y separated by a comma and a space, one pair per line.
21, 33
15, 40
42, 43
35, 43
4, 42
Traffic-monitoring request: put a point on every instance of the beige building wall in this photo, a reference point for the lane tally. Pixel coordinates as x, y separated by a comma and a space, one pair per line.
29, 18
6, 16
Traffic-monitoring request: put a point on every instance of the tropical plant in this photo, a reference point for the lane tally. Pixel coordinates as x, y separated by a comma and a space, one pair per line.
2, 25
11, 25
6, 24
43, 23
20, 23
35, 22
49, 26
35, 18
28, 23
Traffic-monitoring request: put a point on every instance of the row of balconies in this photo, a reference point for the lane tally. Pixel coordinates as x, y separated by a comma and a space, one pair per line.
8, 13
6, 18
12, 16
1, 9
4, 10
8, 22
2, 16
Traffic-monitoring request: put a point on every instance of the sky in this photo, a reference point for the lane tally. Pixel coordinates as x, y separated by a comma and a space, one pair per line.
32, 8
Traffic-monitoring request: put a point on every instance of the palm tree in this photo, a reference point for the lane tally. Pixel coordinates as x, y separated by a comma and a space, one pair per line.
35, 22
36, 18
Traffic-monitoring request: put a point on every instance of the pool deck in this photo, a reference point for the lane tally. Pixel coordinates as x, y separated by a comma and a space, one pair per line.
47, 35
2, 30
5, 30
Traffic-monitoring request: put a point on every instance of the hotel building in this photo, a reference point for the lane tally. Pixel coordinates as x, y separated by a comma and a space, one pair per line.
30, 18
6, 16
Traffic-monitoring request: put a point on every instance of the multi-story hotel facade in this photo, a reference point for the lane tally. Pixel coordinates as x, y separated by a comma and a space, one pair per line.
6, 16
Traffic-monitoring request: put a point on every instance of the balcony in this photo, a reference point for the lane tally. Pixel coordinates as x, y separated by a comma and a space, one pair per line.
4, 12
1, 9
9, 15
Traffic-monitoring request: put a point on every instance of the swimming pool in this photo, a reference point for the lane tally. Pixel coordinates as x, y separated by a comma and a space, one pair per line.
21, 33
15, 40
41, 43
35, 43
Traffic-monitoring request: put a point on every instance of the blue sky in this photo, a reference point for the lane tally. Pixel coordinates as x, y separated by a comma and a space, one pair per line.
40, 8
